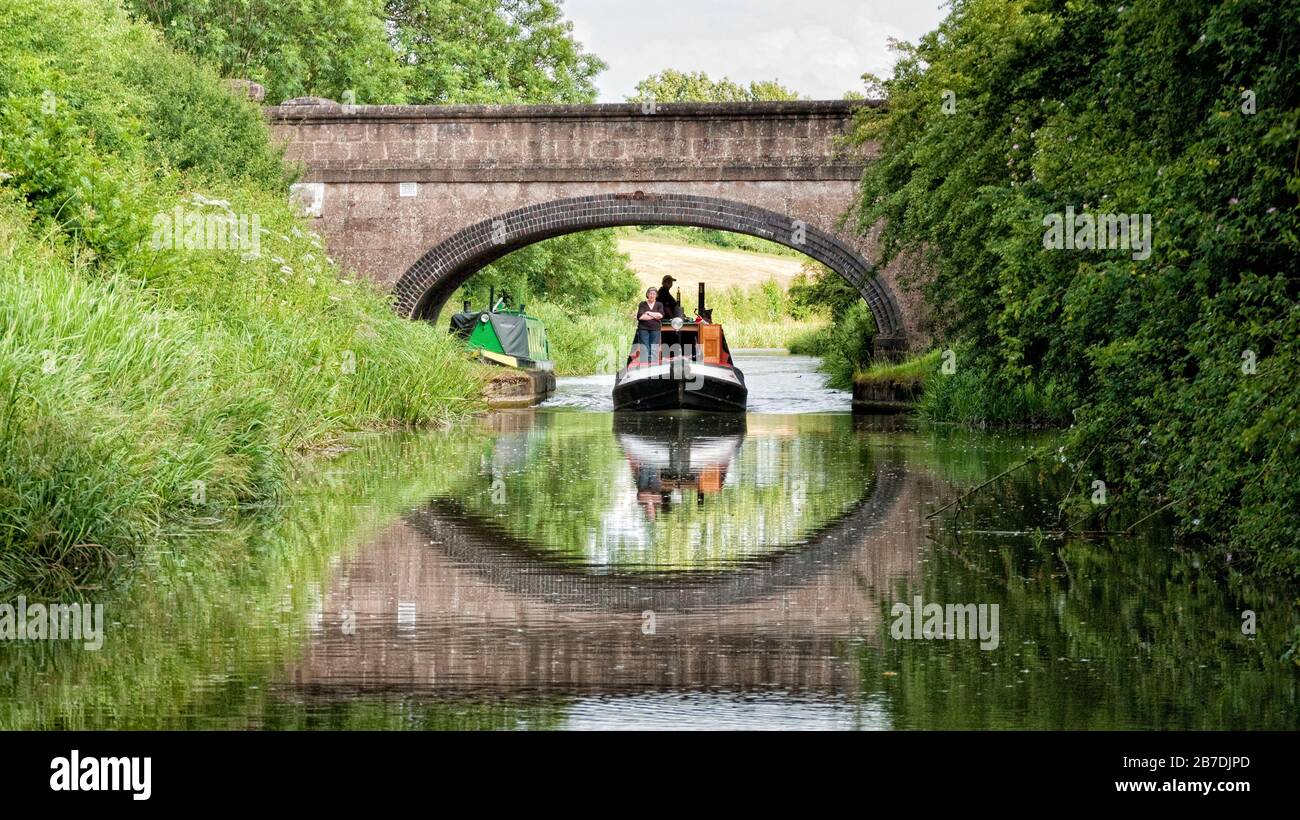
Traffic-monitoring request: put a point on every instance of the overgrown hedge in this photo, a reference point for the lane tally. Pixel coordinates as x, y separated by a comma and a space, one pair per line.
1176, 372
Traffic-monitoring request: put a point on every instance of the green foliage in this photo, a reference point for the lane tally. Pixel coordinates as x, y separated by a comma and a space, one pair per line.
766, 302
491, 51
819, 289
129, 369
386, 51
763, 316
844, 344
973, 397
296, 48
696, 86
578, 270
1179, 367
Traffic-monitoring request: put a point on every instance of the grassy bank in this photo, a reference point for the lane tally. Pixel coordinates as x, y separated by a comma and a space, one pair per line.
913, 371
152, 373
947, 391
970, 397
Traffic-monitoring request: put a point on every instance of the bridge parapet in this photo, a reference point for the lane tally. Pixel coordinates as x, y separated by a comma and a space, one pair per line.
611, 142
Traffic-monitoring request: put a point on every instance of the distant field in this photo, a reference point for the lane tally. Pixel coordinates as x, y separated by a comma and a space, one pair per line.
718, 268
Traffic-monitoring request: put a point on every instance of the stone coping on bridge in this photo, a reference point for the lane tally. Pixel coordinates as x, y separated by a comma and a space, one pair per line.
319, 109
488, 171
702, 142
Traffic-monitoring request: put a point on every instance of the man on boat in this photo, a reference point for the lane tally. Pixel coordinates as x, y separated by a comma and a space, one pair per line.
649, 324
672, 308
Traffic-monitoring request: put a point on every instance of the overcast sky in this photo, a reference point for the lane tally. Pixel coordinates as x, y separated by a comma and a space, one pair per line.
819, 48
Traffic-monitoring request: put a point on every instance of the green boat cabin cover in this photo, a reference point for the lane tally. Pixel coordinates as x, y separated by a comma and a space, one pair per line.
515, 338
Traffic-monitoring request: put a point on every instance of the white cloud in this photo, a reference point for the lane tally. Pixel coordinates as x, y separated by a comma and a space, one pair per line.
820, 48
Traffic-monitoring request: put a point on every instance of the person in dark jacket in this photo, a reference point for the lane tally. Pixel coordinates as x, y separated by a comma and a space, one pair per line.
672, 308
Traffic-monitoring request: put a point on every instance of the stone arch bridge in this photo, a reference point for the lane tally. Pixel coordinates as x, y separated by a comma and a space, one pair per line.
421, 197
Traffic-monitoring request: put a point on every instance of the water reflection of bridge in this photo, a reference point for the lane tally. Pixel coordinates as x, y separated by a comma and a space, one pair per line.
445, 603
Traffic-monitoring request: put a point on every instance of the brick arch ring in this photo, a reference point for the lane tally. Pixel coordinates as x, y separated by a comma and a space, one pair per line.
427, 284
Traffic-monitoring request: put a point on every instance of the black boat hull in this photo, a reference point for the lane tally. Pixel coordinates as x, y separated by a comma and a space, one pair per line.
672, 386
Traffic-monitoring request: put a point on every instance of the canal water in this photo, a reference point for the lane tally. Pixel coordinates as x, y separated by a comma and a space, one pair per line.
565, 567
777, 382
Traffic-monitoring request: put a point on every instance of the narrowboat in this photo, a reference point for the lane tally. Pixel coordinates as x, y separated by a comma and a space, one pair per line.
504, 336
692, 370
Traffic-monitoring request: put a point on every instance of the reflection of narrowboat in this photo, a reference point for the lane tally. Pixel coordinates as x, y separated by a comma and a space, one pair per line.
504, 336
692, 370
673, 451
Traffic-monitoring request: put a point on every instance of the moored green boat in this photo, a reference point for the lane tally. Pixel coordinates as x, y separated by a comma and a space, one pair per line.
506, 337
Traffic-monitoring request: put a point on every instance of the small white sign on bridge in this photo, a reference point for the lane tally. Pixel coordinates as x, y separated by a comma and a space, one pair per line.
308, 196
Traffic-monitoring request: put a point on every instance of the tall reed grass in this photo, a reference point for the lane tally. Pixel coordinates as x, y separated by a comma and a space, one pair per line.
972, 397
147, 386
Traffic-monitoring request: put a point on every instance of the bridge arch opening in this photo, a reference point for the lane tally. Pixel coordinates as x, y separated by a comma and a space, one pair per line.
425, 286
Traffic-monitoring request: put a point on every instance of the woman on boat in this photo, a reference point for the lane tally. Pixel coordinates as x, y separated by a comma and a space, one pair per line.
649, 324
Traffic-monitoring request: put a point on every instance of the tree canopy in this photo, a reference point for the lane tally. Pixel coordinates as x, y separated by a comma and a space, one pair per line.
491, 51
294, 48
386, 51
696, 86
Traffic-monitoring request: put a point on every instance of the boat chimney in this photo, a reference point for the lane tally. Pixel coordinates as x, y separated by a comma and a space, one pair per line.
492, 298
702, 310
467, 306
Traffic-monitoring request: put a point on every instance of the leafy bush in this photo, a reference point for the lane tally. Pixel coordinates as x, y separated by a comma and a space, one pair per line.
845, 342
580, 269
974, 397
845, 345
1179, 366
